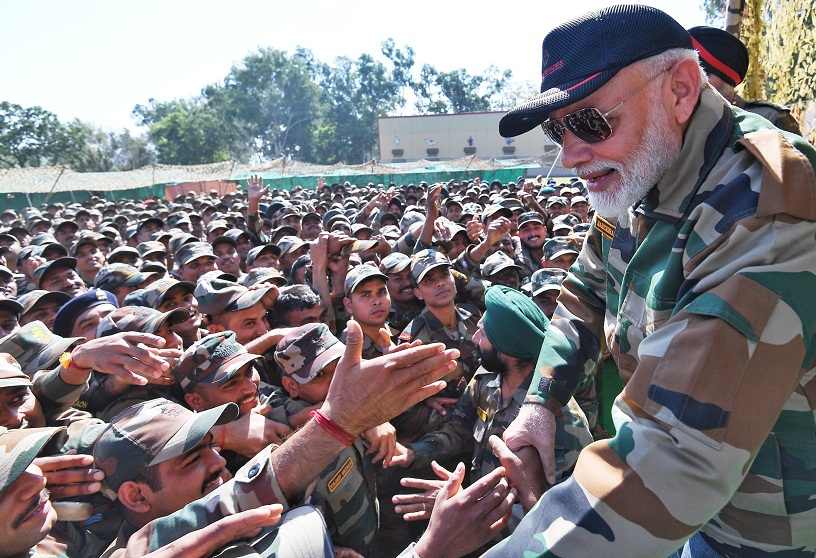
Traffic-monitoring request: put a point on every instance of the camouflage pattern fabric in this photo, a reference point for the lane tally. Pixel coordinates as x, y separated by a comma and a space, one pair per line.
701, 298
779, 116
528, 263
119, 274
139, 319
212, 360
36, 348
305, 351
18, 448
216, 296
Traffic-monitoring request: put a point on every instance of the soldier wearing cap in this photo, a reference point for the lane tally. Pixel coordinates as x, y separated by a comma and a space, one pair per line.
532, 234
227, 259
441, 320
345, 491
404, 304
41, 305
60, 275
90, 260
194, 259
500, 269
233, 307
685, 286
559, 252
544, 287
168, 294
66, 232
579, 205
146, 228
367, 301
81, 315
267, 255
121, 280
10, 312
291, 248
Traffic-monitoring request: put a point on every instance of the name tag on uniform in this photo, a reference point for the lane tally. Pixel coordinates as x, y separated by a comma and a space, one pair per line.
340, 475
604, 227
482, 413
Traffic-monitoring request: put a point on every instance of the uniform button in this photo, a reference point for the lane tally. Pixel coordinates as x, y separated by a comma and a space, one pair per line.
253, 471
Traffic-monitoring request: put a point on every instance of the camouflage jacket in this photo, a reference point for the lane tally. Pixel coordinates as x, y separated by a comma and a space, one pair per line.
528, 263
346, 494
701, 294
777, 115
400, 319
482, 412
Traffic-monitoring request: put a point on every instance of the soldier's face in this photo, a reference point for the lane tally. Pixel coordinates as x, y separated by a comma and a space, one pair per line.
180, 297
44, 311
247, 324
64, 279
564, 261
194, 269
533, 234
369, 304
241, 389
546, 301
187, 478
8, 323
296, 318
437, 289
27, 513
87, 322
20, 409
89, 259
315, 390
227, 258
488, 355
401, 286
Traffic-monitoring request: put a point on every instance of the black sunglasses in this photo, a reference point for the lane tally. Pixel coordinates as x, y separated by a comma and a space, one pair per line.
587, 124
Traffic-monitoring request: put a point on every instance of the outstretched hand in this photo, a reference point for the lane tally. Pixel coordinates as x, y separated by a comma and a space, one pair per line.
534, 426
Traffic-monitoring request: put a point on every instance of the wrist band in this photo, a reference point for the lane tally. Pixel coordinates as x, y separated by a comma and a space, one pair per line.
67, 361
335, 430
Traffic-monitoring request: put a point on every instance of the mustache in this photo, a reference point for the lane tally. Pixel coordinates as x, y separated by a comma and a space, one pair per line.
212, 478
42, 497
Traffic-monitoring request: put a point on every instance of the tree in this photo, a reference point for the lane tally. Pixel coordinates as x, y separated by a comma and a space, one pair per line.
457, 91
30, 137
94, 150
270, 100
186, 132
355, 93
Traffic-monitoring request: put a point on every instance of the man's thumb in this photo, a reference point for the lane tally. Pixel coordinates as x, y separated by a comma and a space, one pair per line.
354, 344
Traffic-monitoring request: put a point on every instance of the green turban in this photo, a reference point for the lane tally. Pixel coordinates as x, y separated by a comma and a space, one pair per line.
513, 323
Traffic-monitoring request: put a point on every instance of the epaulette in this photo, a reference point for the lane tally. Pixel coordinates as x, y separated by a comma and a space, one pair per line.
416, 325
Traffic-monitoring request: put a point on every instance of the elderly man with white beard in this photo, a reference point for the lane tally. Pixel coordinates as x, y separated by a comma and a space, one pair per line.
693, 272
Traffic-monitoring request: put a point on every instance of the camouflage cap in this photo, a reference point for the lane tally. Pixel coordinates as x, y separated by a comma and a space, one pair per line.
212, 360
179, 240
134, 298
530, 217
154, 293
120, 275
150, 433
289, 244
85, 237
277, 234
216, 224
390, 232
11, 375
258, 250
425, 260
409, 219
193, 250
305, 351
47, 267
216, 296
155, 220
44, 238
18, 448
552, 200
395, 262
220, 239
558, 246
36, 348
565, 222
139, 319
359, 274
496, 210
121, 253
13, 306
264, 275
151, 247
546, 279
218, 274
496, 263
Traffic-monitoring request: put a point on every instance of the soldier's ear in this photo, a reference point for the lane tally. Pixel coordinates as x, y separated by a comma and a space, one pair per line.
131, 494
347, 305
418, 294
290, 386
216, 328
194, 401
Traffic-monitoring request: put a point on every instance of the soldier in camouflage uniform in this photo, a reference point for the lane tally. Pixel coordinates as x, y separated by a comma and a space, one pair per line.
36, 348
234, 307
121, 280
10, 312
700, 294
41, 305
404, 305
532, 233
345, 491
367, 301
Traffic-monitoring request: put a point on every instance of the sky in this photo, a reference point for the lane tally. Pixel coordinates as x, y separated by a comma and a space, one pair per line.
96, 60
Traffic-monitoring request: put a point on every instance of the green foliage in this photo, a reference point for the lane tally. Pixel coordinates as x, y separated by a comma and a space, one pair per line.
30, 137
457, 91
94, 150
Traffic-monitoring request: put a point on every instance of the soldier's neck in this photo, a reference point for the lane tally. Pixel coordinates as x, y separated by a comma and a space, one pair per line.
446, 315
372, 331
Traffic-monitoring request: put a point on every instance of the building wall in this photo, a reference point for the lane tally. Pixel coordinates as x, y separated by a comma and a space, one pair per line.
449, 133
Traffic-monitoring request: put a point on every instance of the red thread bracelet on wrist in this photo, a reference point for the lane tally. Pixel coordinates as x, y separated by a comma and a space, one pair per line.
336, 431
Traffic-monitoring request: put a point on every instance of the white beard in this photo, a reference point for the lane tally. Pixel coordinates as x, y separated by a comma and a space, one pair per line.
639, 171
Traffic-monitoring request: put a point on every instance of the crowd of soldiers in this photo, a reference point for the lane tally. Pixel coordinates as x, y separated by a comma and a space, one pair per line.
245, 299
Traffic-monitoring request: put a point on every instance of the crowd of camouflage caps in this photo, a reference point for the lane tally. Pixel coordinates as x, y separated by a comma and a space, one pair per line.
188, 269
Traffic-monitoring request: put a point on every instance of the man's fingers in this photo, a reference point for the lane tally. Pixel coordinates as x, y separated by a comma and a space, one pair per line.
65, 461
354, 346
487, 484
452, 485
421, 484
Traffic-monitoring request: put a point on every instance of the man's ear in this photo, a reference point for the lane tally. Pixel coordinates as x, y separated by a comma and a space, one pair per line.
347, 305
686, 82
290, 386
194, 401
135, 496
418, 294
216, 328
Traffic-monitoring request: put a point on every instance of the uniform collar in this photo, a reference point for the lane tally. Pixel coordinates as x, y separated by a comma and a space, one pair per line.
708, 133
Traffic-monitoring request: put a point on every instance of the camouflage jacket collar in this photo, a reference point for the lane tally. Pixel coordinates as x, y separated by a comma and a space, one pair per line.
707, 135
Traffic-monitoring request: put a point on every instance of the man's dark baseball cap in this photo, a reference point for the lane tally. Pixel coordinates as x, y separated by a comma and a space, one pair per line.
581, 55
721, 53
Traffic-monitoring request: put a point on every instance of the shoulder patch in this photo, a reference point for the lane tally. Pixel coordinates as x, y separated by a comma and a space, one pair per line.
405, 336
604, 227
340, 475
